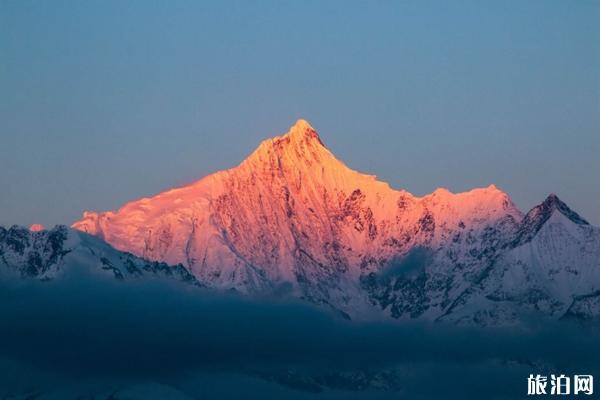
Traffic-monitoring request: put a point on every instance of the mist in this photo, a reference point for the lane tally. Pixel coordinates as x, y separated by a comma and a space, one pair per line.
91, 335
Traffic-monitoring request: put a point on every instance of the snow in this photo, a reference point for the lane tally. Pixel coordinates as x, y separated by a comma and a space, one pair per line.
50, 254
292, 213
36, 227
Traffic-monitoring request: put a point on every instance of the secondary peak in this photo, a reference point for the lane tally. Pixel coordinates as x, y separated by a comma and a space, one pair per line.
37, 228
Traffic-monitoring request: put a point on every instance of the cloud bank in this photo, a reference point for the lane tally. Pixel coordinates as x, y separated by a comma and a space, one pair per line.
112, 337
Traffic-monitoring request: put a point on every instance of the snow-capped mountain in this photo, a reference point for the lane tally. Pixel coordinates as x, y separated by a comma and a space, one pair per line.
293, 217
551, 266
48, 254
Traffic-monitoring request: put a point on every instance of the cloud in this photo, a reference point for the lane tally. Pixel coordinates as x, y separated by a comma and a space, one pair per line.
84, 329
408, 266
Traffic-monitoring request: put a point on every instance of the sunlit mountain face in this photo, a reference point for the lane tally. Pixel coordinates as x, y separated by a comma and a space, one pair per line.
294, 219
171, 230
293, 276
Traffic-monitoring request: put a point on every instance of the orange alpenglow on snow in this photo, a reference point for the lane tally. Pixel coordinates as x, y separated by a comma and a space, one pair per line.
290, 204
37, 228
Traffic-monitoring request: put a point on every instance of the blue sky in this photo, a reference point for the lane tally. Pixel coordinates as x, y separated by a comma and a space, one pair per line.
107, 101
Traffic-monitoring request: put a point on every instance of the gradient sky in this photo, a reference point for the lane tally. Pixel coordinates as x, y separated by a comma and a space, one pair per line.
107, 101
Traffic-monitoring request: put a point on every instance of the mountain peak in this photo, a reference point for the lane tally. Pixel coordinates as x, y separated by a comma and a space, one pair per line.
552, 199
552, 203
302, 131
37, 228
536, 218
301, 143
301, 125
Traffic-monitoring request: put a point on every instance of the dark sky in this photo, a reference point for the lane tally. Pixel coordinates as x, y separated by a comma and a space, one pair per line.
107, 101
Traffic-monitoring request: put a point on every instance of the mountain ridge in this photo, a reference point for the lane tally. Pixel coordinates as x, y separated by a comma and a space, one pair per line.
293, 215
47, 254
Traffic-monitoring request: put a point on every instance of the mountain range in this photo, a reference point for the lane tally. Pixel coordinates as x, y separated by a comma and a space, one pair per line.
293, 220
51, 254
